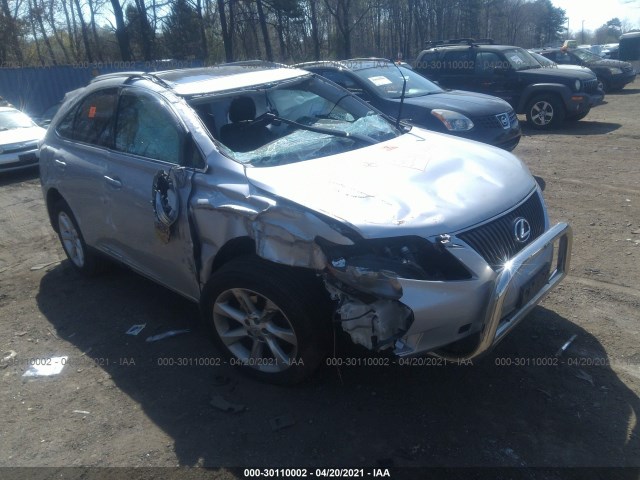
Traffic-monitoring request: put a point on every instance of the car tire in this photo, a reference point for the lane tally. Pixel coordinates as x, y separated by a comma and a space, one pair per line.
82, 258
580, 116
272, 321
545, 112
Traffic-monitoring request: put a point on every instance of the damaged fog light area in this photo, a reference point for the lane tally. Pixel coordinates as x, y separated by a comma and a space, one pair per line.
375, 325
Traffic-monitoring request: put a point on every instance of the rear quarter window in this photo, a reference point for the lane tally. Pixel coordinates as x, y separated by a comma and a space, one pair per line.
427, 62
458, 62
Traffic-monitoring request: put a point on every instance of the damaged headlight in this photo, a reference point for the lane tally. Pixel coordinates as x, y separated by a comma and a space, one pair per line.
365, 274
374, 267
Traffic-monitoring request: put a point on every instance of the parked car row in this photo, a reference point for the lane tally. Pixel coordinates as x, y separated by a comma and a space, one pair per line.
290, 208
403, 93
613, 75
546, 96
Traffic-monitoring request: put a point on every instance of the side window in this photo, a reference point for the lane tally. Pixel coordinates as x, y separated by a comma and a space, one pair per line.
458, 62
92, 120
561, 57
486, 63
65, 126
428, 63
145, 126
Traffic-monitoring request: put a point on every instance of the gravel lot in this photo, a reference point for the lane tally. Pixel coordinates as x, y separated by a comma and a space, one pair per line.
118, 402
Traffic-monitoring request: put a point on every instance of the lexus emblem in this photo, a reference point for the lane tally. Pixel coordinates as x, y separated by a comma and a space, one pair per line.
504, 120
521, 229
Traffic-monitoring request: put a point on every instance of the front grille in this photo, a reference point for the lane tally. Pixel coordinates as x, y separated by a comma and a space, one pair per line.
495, 240
492, 121
590, 86
627, 68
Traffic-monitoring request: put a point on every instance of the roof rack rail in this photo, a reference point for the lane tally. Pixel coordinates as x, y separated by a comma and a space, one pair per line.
132, 76
106, 76
318, 63
459, 41
253, 63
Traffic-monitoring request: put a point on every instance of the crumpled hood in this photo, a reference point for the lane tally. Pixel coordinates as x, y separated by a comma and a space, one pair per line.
20, 135
468, 103
421, 183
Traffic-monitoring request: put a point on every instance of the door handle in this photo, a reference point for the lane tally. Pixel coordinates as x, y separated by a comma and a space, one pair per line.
114, 182
60, 163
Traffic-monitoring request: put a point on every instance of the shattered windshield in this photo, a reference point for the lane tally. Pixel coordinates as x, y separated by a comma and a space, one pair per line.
295, 121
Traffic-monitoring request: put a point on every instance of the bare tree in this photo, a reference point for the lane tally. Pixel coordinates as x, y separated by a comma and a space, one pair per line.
10, 21
227, 28
122, 35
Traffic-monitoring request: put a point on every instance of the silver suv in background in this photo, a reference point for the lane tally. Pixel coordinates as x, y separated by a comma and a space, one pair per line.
286, 206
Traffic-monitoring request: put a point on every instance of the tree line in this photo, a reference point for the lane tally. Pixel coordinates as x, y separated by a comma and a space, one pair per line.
64, 32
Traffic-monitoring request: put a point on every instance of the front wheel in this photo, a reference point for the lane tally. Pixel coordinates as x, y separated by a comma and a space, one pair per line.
545, 112
270, 320
580, 116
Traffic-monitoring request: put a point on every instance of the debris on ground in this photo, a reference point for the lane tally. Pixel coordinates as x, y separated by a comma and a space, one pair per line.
135, 329
46, 367
83, 412
7, 357
282, 421
40, 266
220, 403
170, 333
564, 347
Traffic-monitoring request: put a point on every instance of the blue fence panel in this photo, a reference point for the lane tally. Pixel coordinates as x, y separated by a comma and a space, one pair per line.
35, 89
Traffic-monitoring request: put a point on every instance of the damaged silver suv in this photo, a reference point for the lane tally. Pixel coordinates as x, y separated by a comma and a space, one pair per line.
286, 207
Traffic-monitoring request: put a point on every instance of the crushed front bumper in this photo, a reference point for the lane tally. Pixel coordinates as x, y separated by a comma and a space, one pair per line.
500, 316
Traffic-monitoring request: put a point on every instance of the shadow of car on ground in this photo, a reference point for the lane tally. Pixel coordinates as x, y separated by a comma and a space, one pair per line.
582, 127
518, 406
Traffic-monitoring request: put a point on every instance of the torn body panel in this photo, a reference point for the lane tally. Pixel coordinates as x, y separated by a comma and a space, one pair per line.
282, 232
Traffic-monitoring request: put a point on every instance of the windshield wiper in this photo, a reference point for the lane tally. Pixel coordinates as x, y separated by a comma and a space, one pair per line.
326, 131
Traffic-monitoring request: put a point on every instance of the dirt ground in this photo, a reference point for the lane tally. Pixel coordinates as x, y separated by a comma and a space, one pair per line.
117, 402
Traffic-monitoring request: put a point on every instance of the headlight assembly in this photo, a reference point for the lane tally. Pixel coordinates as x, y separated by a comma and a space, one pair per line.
375, 266
454, 121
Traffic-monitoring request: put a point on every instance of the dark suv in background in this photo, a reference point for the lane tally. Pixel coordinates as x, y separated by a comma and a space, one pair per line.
612, 74
465, 114
546, 96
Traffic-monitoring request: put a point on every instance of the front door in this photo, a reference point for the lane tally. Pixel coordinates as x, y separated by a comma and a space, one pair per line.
149, 187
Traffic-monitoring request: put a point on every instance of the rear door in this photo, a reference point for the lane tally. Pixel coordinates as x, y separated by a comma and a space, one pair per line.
149, 183
457, 70
78, 161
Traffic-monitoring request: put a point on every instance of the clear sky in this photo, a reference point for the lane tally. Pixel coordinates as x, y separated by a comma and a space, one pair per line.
597, 12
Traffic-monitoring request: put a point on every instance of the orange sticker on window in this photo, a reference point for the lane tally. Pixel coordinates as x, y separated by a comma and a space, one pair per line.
92, 112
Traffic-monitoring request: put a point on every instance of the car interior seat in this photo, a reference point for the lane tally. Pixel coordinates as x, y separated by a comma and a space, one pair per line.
244, 134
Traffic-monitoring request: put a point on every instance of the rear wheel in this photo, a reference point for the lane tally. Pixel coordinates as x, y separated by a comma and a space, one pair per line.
83, 259
270, 320
545, 112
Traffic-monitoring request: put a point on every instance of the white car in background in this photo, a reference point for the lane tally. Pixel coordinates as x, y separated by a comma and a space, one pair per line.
19, 137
